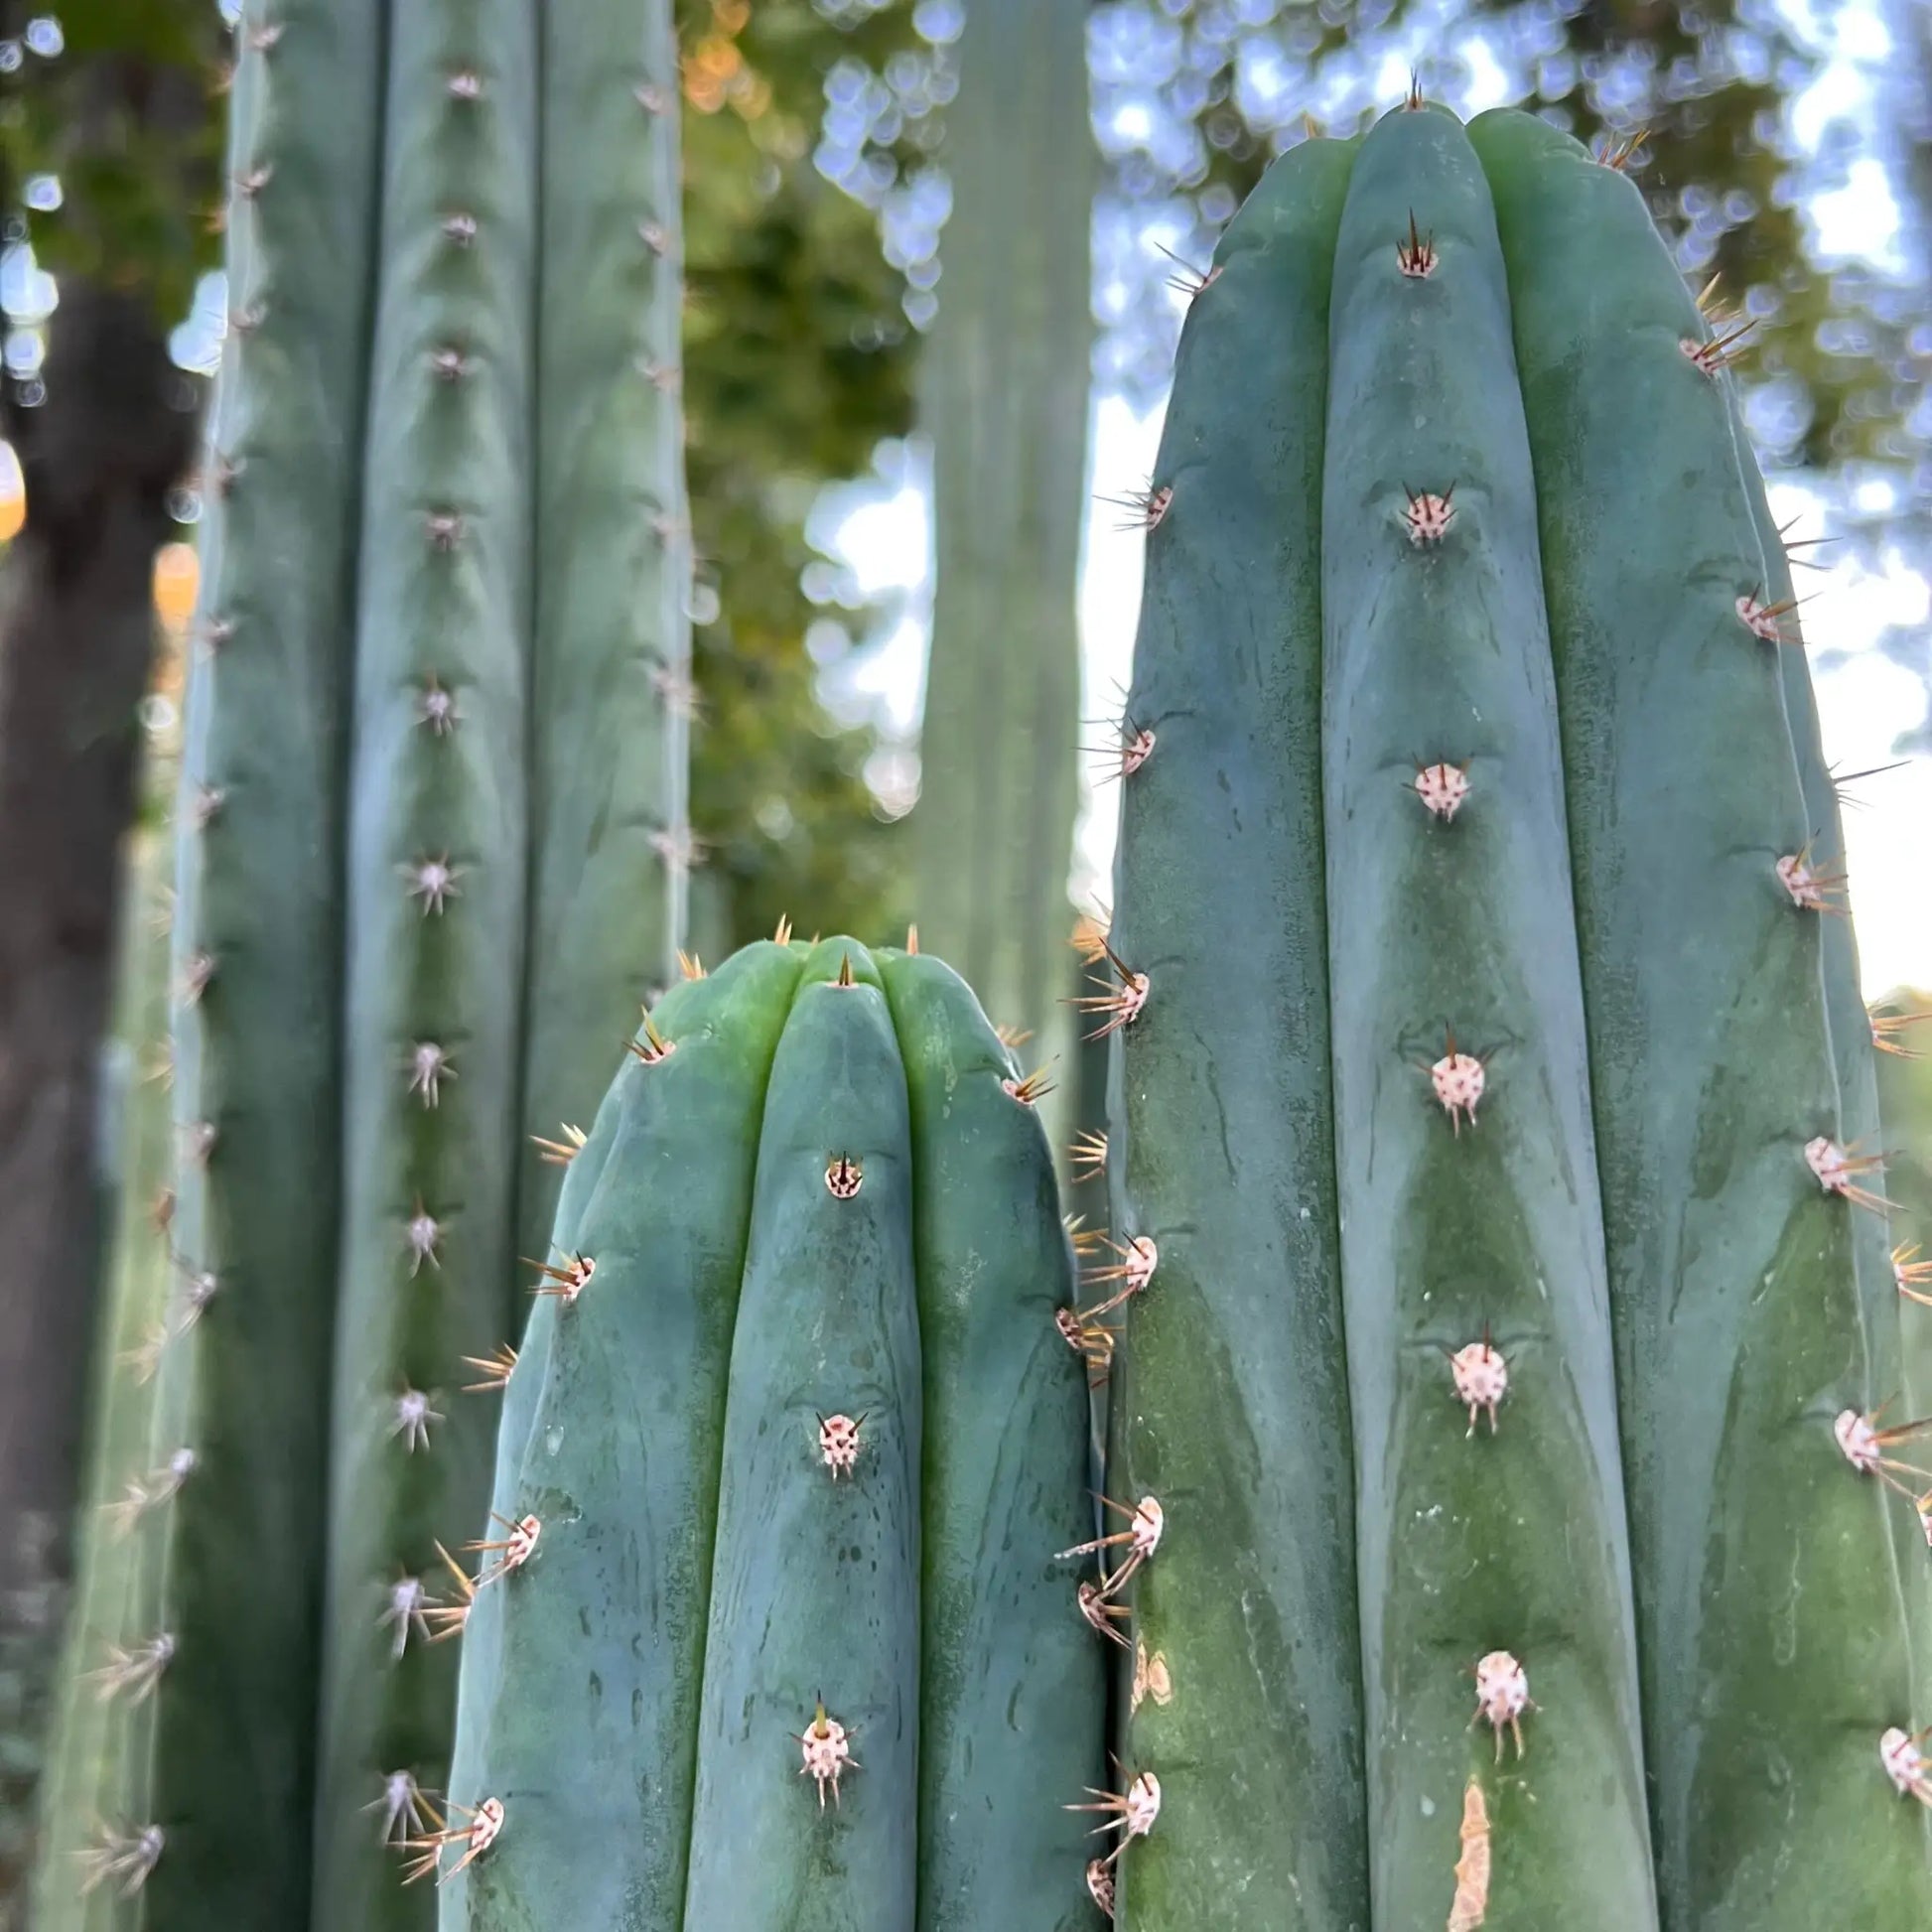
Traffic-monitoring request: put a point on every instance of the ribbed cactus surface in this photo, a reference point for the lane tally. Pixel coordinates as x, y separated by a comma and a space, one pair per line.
1509, 1351
772, 1631
430, 855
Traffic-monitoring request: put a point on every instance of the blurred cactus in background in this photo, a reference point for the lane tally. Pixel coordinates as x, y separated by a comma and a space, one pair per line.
429, 854
1006, 407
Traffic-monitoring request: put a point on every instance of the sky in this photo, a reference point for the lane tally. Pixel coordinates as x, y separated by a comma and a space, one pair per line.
880, 530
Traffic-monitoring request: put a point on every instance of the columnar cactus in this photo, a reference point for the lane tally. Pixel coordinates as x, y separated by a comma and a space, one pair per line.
431, 848
771, 1618
1509, 1350
1006, 406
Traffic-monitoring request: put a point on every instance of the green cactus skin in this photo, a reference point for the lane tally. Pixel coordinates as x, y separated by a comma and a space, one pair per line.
1005, 1663
114, 1606
1230, 1404
611, 672
1630, 1217
437, 882
222, 1754
1006, 406
1770, 1576
1468, 1541
810, 1584
702, 1576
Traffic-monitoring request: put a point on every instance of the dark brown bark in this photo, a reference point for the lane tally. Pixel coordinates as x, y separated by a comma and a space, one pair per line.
100, 453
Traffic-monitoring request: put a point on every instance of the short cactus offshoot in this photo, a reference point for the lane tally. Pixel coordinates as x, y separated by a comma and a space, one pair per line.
784, 1487
1436, 1604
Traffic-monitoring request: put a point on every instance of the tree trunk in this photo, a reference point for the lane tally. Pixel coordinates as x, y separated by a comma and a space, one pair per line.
99, 455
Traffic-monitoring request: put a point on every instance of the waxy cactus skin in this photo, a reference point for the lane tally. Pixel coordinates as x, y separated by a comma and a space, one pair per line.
710, 1596
1502, 1120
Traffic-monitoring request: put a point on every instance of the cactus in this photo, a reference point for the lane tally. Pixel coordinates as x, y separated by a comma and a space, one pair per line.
1505, 1329
1007, 408
430, 838
772, 1631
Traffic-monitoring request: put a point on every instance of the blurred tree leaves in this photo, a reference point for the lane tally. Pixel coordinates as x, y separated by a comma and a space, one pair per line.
1195, 95
798, 360
115, 102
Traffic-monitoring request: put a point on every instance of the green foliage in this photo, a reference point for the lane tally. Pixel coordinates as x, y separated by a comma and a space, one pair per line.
121, 118
798, 360
1512, 1325
811, 1200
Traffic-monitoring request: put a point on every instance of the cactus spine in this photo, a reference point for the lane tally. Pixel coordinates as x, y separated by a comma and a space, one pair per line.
1507, 738
1007, 408
428, 865
810, 1202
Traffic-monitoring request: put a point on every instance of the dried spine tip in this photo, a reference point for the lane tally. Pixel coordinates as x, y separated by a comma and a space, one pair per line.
1811, 889
653, 1048
1502, 1696
496, 1369
1147, 508
511, 1552
422, 1233
412, 1419
560, 1154
1134, 1269
845, 970
1721, 351
1121, 1003
1904, 1756
1100, 1885
429, 1067
1458, 1079
1416, 255
828, 1753
408, 1602
1101, 1613
401, 1803
1837, 1169
1130, 1813
1481, 1379
567, 1282
1617, 154
1428, 517
782, 935
1887, 1026
476, 1835
1034, 1088
1147, 1520
1443, 788
433, 881
843, 1178
1913, 1276
121, 1858
1867, 1449
135, 1670
436, 707
839, 1444
1765, 621
1093, 1341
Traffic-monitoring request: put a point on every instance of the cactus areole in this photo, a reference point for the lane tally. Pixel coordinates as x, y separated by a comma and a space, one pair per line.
1526, 1386
769, 1627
